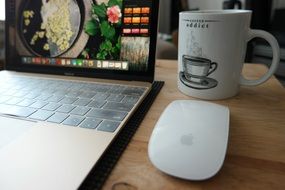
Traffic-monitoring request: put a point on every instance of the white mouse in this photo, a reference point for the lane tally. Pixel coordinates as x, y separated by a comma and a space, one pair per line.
190, 139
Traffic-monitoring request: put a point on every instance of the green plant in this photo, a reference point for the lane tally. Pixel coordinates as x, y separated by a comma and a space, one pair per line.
106, 22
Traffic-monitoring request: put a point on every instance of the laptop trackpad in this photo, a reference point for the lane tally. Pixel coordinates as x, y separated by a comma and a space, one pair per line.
12, 129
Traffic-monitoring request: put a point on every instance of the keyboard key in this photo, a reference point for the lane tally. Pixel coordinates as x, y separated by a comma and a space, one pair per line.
48, 91
2, 90
73, 120
17, 87
55, 98
97, 104
4, 98
26, 102
65, 108
107, 114
10, 92
16, 110
80, 110
22, 111
51, 106
38, 104
115, 97
134, 91
85, 89
76, 86
82, 102
43, 97
20, 94
108, 126
68, 100
118, 106
32, 95
41, 115
60, 92
117, 89
87, 94
103, 88
73, 94
131, 99
91, 123
13, 101
101, 96
57, 118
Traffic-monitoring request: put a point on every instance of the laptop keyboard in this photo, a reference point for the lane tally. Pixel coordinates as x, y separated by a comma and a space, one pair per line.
79, 104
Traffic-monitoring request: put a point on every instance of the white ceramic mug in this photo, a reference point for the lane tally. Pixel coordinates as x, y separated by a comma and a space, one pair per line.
212, 48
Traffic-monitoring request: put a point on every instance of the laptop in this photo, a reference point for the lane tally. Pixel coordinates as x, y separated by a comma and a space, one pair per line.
76, 70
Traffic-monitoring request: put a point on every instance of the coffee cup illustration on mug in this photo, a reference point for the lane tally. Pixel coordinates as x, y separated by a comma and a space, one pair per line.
196, 72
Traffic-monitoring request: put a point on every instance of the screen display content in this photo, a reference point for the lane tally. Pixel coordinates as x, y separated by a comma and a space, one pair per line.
99, 34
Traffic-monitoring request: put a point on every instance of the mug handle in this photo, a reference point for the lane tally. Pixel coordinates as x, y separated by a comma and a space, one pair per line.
275, 61
215, 67
238, 4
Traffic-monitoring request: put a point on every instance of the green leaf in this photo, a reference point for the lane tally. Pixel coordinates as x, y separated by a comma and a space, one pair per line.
113, 3
107, 30
106, 45
118, 44
114, 50
100, 10
91, 28
101, 55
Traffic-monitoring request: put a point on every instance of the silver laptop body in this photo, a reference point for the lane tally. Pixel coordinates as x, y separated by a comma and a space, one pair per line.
76, 70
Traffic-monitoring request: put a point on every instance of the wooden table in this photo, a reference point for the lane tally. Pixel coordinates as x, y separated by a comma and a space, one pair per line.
256, 151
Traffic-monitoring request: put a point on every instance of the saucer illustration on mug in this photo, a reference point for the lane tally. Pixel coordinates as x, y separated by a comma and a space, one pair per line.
196, 72
205, 83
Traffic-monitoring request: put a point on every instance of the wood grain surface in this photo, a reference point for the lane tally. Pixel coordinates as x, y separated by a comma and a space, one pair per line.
256, 151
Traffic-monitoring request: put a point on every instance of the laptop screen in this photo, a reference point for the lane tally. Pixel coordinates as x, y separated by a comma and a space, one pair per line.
101, 38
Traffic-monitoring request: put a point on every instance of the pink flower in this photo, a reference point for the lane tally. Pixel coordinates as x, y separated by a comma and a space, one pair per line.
114, 14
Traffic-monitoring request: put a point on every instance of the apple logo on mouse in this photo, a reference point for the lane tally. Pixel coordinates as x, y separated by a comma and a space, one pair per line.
187, 139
